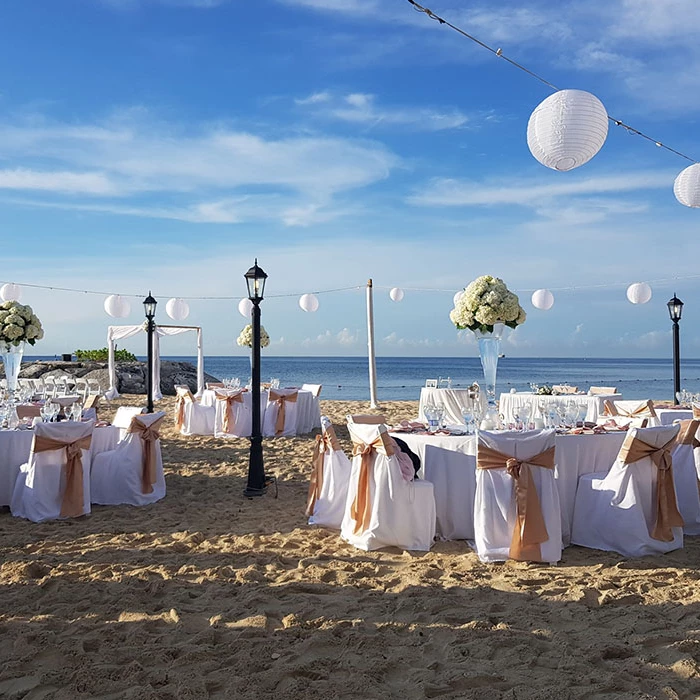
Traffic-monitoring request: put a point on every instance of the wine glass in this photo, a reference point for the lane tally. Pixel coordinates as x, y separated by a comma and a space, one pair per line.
45, 412
517, 425
468, 417
525, 411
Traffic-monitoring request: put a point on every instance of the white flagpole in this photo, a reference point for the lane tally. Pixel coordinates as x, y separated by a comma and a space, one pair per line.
370, 347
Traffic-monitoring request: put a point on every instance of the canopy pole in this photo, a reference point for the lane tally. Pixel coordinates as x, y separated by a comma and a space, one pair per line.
370, 348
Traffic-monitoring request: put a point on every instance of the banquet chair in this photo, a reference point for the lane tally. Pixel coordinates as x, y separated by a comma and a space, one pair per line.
55, 482
366, 419
191, 418
280, 419
382, 508
233, 415
686, 458
124, 414
516, 507
632, 510
330, 475
93, 386
131, 473
696, 410
636, 414
315, 389
61, 386
81, 388
49, 387
214, 385
602, 390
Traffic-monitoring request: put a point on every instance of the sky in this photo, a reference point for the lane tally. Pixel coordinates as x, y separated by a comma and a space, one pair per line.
163, 145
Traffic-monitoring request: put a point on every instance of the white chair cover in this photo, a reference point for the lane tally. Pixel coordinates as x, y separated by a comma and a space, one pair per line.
197, 419
41, 484
617, 511
401, 513
315, 389
329, 505
637, 414
685, 475
269, 423
117, 474
495, 509
240, 422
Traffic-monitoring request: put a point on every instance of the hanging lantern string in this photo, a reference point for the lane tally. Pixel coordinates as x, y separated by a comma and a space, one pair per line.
578, 287
499, 52
207, 298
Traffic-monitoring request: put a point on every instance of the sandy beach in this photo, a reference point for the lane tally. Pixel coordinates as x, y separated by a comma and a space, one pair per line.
207, 594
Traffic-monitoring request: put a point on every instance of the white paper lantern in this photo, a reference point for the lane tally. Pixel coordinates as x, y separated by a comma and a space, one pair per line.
687, 186
458, 296
567, 129
396, 294
117, 306
245, 308
308, 302
178, 309
543, 299
11, 292
639, 293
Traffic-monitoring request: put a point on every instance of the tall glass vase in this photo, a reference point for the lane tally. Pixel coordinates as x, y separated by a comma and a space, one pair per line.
12, 361
489, 350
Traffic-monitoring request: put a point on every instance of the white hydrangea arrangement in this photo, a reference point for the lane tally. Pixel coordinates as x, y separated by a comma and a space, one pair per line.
487, 301
245, 339
19, 323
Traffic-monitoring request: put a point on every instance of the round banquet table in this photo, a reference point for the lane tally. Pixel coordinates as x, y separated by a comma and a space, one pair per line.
15, 446
449, 463
451, 400
308, 409
508, 404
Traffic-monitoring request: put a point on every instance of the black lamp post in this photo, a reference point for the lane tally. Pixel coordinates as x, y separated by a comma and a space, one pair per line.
255, 279
675, 309
149, 306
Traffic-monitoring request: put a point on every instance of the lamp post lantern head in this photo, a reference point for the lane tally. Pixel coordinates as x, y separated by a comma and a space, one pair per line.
149, 306
255, 279
675, 308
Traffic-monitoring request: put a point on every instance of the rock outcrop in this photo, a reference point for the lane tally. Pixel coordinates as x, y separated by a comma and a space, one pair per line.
131, 376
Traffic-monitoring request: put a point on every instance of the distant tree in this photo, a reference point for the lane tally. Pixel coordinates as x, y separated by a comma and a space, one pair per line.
102, 355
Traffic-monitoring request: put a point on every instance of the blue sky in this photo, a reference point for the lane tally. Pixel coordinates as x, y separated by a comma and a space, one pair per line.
164, 144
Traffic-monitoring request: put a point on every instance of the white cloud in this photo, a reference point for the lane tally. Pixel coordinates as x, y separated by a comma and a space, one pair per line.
362, 108
56, 181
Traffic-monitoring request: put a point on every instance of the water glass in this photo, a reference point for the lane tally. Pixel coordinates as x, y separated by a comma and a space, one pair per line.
274, 383
468, 418
525, 411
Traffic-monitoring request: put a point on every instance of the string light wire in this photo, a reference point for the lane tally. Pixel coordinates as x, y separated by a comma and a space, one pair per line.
499, 52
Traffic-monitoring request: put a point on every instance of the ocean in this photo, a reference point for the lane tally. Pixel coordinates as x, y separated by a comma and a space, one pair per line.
400, 378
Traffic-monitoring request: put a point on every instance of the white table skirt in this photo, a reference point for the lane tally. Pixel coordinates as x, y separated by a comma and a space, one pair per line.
509, 404
668, 415
15, 446
449, 462
308, 409
451, 400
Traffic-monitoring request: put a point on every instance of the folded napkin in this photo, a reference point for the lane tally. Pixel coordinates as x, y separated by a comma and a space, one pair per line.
409, 426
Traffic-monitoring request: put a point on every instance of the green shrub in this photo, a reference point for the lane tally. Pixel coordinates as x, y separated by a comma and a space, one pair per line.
102, 355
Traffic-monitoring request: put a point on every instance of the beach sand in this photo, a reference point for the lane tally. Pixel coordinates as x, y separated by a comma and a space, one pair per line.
207, 594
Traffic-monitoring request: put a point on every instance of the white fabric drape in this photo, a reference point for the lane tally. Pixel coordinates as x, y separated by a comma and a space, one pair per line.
115, 333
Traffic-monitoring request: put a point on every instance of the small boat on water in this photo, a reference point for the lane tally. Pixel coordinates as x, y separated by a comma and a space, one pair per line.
501, 356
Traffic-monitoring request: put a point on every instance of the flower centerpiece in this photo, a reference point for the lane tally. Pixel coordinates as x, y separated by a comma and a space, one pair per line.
485, 307
245, 339
18, 325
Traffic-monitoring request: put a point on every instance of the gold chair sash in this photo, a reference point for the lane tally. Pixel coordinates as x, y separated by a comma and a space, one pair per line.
530, 530
149, 435
327, 441
686, 435
230, 399
281, 401
696, 411
361, 509
72, 503
667, 515
643, 410
183, 397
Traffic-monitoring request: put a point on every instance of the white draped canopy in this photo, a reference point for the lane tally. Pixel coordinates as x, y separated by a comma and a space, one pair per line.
115, 333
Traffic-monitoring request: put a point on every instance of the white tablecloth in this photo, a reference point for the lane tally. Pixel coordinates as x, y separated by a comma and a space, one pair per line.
449, 462
509, 404
308, 409
668, 415
451, 400
15, 446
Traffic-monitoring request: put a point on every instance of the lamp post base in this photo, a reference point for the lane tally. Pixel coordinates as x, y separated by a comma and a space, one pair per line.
250, 492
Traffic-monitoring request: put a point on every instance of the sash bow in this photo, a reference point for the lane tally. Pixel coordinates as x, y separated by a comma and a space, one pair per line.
667, 514
281, 401
645, 410
149, 435
530, 529
183, 398
361, 509
230, 399
72, 503
327, 441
